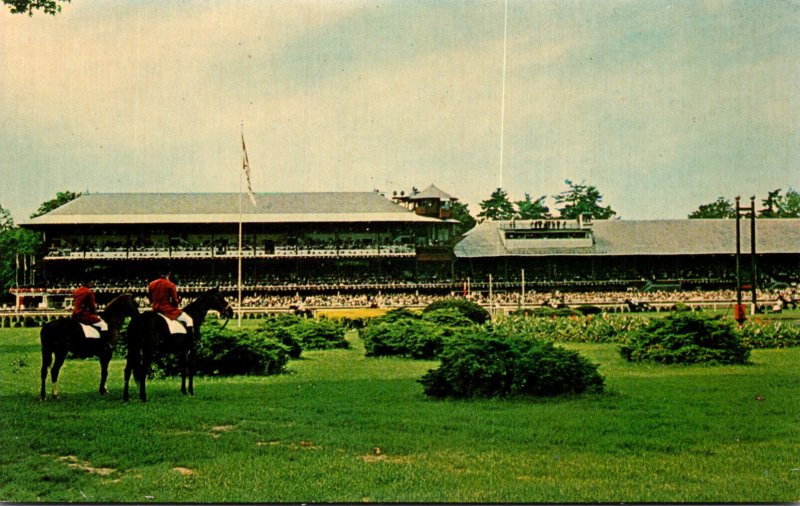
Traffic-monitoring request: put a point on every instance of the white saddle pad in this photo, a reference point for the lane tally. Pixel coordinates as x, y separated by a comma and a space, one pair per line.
175, 327
90, 331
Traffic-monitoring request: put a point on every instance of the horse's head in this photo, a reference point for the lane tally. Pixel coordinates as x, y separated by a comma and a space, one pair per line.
124, 305
218, 303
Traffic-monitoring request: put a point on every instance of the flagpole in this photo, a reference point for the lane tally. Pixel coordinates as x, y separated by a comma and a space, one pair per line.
239, 276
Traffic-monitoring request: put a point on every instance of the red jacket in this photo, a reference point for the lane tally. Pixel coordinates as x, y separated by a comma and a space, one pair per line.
84, 308
164, 297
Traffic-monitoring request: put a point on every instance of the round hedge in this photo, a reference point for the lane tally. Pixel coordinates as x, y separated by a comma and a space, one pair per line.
486, 364
686, 338
468, 308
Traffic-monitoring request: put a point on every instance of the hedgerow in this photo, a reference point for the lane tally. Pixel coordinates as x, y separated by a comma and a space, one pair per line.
686, 338
279, 328
488, 363
603, 328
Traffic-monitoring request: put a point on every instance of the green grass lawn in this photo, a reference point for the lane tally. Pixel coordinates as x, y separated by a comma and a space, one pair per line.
345, 428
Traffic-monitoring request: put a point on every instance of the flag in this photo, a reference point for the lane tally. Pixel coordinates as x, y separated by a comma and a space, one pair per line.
246, 169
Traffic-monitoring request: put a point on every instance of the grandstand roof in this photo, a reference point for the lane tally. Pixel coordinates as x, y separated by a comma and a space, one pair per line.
126, 208
652, 237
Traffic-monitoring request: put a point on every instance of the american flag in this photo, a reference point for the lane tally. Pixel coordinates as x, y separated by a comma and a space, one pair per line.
246, 168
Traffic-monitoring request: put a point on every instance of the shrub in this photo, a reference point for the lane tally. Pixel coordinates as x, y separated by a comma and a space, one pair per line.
30, 321
279, 328
468, 308
232, 352
492, 364
450, 318
319, 334
400, 313
6, 322
549, 312
409, 337
686, 338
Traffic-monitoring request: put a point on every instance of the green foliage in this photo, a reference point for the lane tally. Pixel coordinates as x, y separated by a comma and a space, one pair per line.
14, 243
405, 337
496, 207
781, 206
462, 215
770, 334
51, 7
686, 338
529, 209
400, 313
498, 364
30, 321
228, 352
469, 309
6, 321
580, 199
603, 328
60, 199
320, 334
721, 208
279, 328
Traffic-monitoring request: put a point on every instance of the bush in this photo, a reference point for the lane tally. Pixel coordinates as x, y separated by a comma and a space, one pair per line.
30, 321
279, 328
686, 338
413, 338
549, 312
229, 352
468, 308
6, 322
319, 334
491, 364
394, 315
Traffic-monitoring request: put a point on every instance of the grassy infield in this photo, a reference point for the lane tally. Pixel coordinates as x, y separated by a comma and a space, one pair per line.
341, 427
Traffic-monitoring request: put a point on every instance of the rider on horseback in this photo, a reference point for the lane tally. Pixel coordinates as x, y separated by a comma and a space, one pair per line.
84, 308
163, 296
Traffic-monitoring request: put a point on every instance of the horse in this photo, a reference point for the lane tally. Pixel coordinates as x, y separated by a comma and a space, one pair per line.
149, 335
59, 337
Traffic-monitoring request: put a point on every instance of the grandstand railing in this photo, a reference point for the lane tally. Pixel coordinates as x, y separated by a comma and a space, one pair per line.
279, 252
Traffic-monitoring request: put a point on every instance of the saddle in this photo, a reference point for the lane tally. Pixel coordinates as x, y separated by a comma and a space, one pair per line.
174, 326
90, 331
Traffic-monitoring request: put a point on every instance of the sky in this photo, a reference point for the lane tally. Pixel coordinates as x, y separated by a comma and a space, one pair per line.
662, 105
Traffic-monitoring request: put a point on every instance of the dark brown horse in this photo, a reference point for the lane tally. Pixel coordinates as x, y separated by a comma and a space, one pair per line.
64, 335
149, 336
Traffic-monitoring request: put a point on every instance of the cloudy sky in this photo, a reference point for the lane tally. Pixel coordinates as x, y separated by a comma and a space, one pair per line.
662, 105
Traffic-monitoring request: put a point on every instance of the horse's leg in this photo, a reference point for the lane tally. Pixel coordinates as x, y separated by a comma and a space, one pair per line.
182, 360
47, 357
142, 380
105, 358
61, 355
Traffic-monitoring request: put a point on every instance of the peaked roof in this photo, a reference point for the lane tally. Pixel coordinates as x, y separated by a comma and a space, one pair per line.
431, 192
650, 237
121, 208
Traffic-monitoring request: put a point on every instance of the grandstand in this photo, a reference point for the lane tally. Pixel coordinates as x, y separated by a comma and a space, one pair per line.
351, 238
340, 243
613, 254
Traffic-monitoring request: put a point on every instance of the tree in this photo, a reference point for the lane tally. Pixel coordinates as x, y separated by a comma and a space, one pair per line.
781, 206
51, 7
721, 208
497, 207
61, 199
6, 221
582, 199
529, 209
461, 213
